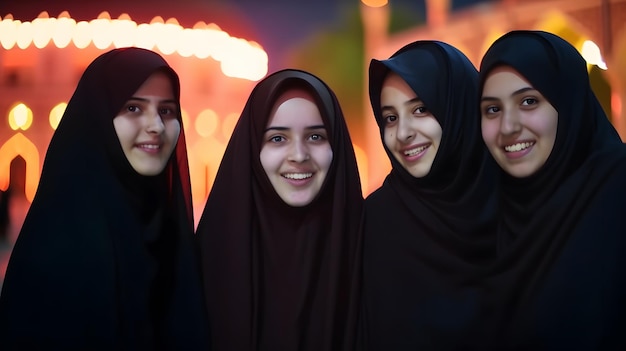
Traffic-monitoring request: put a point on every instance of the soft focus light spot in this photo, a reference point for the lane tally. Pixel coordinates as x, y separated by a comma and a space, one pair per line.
24, 34
20, 117
374, 3
228, 125
63, 31
591, 53
206, 123
56, 114
123, 31
8, 32
82, 35
102, 31
43, 28
144, 37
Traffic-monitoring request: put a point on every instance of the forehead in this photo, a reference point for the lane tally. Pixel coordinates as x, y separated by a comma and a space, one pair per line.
502, 79
295, 107
157, 84
395, 86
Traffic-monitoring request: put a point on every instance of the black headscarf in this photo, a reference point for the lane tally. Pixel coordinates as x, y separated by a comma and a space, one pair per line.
279, 277
424, 237
104, 258
560, 278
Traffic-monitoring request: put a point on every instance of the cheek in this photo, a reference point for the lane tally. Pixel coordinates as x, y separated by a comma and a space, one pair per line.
172, 131
389, 137
269, 159
489, 131
124, 129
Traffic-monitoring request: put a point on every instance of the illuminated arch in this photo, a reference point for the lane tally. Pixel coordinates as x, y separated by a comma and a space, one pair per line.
19, 145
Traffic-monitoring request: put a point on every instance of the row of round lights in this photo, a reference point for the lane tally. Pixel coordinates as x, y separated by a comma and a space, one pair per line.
238, 57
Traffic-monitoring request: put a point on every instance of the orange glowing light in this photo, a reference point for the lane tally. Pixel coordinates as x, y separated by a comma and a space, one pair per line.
63, 30
374, 3
24, 34
228, 125
19, 145
20, 117
56, 114
206, 123
123, 31
8, 32
238, 57
82, 34
102, 31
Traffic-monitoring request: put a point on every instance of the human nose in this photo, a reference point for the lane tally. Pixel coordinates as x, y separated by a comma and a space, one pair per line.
299, 152
155, 123
405, 129
510, 123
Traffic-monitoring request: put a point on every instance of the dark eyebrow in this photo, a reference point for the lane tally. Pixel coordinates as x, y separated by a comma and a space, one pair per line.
146, 100
285, 128
517, 92
412, 101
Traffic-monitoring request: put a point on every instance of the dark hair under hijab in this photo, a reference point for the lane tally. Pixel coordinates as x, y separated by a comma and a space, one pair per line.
279, 277
104, 258
424, 237
560, 278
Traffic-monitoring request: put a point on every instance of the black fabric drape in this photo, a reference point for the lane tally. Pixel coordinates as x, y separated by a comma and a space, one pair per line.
425, 237
279, 277
560, 279
104, 259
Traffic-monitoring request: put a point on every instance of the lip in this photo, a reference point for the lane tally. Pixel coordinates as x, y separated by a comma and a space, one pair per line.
150, 147
412, 157
298, 178
518, 149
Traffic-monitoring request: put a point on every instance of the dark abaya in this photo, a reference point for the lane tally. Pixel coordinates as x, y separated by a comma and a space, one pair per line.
425, 237
560, 278
279, 277
104, 260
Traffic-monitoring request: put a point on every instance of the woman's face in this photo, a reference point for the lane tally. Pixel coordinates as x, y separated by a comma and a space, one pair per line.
148, 125
411, 132
296, 153
518, 123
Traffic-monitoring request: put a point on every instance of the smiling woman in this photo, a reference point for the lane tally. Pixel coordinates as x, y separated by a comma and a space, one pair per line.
104, 258
280, 230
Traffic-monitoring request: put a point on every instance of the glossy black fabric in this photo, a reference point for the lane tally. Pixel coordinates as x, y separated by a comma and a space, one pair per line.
279, 277
104, 259
560, 278
425, 237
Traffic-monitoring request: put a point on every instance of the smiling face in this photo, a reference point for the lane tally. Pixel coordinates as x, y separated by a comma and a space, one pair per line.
148, 126
296, 154
412, 134
518, 123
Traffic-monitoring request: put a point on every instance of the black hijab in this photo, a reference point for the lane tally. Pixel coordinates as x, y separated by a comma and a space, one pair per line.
424, 237
104, 258
279, 277
560, 278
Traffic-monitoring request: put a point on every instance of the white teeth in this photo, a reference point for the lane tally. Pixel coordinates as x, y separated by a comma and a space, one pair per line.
149, 146
415, 151
297, 176
518, 146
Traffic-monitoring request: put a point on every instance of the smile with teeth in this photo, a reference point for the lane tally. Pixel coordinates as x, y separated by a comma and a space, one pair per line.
149, 146
297, 176
518, 146
415, 151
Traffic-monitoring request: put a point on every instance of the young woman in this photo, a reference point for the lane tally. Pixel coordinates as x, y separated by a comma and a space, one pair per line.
104, 258
560, 278
280, 231
430, 226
